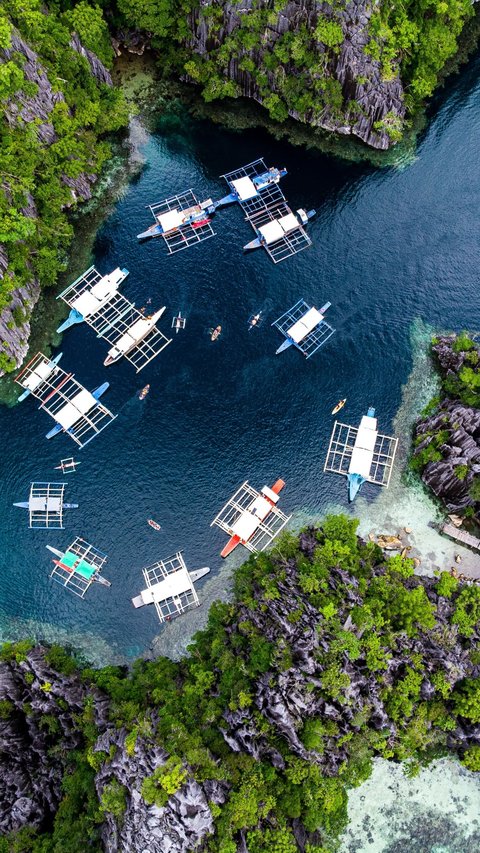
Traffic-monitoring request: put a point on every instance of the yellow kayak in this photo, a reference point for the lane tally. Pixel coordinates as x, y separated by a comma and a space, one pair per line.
339, 406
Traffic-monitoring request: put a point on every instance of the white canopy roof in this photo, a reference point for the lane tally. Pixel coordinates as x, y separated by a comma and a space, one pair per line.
90, 300
245, 188
289, 222
130, 337
361, 462
245, 525
78, 406
174, 584
171, 220
42, 370
269, 494
362, 456
52, 504
272, 231
304, 326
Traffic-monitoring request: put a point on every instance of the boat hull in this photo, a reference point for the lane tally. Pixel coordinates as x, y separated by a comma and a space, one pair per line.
253, 244
199, 573
354, 484
73, 318
153, 231
230, 546
286, 344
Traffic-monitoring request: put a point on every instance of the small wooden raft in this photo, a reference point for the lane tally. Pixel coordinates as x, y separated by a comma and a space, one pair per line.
461, 536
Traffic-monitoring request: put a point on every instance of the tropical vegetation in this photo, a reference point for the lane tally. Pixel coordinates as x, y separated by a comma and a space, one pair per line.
329, 655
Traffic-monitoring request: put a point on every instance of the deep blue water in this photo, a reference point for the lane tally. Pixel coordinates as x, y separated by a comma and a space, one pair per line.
389, 247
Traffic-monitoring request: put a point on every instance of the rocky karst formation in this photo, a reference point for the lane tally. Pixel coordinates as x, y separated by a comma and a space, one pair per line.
362, 82
35, 107
45, 715
451, 434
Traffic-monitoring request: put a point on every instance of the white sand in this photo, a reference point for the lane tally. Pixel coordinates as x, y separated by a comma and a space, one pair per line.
436, 812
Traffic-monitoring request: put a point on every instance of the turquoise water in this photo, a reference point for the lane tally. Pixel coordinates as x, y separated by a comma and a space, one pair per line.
389, 247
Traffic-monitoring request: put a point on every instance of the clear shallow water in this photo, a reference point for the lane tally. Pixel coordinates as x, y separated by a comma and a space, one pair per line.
390, 248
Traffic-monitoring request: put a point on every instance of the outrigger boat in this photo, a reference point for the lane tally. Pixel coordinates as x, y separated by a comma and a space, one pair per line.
339, 406
170, 587
179, 322
255, 320
170, 221
304, 328
45, 505
361, 454
96, 394
74, 409
215, 333
252, 518
144, 392
279, 229
78, 567
247, 187
67, 466
40, 374
89, 294
132, 337
154, 524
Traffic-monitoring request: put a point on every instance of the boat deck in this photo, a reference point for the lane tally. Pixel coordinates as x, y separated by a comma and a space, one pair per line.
186, 235
342, 445
314, 339
237, 513
77, 568
45, 505
72, 407
169, 587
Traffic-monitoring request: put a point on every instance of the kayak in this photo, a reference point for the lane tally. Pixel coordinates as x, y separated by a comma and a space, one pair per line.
339, 406
154, 524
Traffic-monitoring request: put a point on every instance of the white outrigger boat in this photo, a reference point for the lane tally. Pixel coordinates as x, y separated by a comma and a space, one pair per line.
45, 505
179, 322
132, 337
304, 327
279, 229
361, 454
181, 220
89, 294
249, 181
170, 587
40, 373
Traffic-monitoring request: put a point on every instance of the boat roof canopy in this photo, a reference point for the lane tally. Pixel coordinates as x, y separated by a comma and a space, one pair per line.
245, 188
38, 374
245, 525
288, 222
304, 326
271, 231
75, 408
170, 220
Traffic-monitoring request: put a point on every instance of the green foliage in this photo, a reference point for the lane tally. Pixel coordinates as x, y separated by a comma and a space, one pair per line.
165, 781
474, 490
33, 170
114, 799
447, 585
467, 610
471, 758
466, 699
329, 32
461, 471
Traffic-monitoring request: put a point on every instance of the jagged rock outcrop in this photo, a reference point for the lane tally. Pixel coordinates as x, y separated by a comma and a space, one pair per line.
178, 827
360, 76
26, 108
454, 431
37, 719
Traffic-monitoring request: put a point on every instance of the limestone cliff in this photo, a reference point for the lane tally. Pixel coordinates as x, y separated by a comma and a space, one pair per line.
32, 105
365, 102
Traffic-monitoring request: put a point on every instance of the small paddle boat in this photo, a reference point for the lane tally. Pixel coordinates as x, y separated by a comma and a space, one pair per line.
339, 406
154, 524
215, 333
144, 392
255, 320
